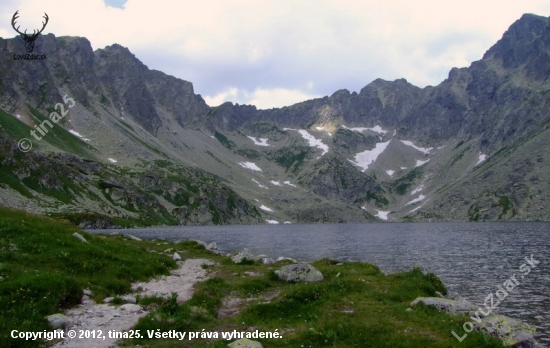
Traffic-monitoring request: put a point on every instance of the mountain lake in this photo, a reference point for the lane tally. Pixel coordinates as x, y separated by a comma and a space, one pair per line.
472, 259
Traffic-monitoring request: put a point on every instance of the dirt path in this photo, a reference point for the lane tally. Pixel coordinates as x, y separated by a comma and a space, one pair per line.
93, 316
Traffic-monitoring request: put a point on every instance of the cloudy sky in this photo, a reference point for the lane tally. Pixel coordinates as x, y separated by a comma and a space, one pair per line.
272, 53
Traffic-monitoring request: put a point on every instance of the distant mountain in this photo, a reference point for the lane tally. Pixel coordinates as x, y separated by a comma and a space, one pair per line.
474, 148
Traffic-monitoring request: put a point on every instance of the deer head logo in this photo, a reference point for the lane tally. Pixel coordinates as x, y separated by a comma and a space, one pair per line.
29, 39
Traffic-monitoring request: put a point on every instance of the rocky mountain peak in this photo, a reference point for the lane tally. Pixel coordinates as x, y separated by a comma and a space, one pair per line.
526, 41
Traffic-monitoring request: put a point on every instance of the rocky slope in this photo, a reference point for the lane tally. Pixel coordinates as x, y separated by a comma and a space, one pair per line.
473, 148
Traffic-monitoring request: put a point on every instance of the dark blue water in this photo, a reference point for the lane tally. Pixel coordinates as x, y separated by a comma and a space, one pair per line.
471, 258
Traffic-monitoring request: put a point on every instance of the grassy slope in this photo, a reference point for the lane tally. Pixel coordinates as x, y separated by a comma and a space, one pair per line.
44, 270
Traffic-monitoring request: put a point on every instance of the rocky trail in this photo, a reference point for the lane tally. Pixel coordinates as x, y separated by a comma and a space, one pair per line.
94, 316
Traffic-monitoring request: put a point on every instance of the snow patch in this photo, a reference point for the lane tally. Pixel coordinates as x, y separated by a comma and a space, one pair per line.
260, 185
421, 163
382, 215
482, 157
250, 165
313, 142
421, 149
259, 141
17, 115
112, 160
289, 184
403, 168
288, 223
78, 135
415, 209
276, 183
365, 158
390, 172
263, 207
376, 129
418, 199
272, 222
416, 190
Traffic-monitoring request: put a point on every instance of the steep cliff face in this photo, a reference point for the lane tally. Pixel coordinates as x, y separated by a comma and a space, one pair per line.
472, 148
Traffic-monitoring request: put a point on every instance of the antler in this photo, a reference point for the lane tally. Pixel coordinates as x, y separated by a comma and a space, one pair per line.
44, 23
13, 19
34, 33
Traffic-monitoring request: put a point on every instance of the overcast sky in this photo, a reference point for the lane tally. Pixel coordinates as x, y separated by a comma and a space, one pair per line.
272, 53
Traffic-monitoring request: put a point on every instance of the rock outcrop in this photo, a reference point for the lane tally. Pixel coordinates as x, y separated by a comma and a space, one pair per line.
299, 272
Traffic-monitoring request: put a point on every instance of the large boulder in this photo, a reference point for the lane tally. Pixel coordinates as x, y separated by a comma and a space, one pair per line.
241, 255
299, 272
509, 331
455, 307
245, 343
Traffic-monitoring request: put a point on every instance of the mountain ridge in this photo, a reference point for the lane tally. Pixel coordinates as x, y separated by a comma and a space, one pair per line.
393, 150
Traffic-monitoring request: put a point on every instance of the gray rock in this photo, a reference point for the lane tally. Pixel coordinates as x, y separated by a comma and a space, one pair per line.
457, 307
170, 250
409, 309
267, 261
87, 292
245, 343
200, 242
299, 272
79, 237
108, 299
176, 257
509, 331
241, 255
128, 299
57, 321
212, 246
130, 307
129, 236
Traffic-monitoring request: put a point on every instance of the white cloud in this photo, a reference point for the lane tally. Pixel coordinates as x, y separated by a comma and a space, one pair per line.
272, 53
261, 98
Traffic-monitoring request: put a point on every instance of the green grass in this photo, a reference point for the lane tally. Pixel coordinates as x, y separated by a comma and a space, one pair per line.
59, 137
224, 140
44, 270
15, 128
356, 305
402, 185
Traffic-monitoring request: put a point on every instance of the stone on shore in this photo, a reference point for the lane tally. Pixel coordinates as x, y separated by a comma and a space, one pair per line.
299, 272
245, 343
79, 237
176, 257
241, 255
455, 307
267, 260
57, 321
509, 331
